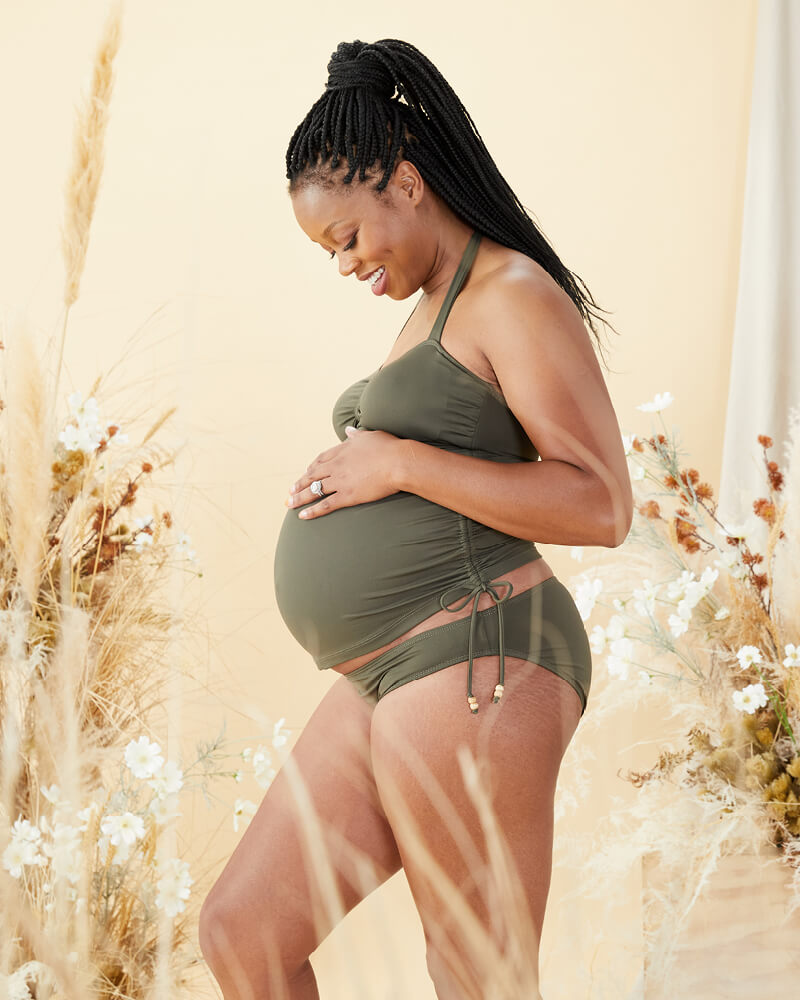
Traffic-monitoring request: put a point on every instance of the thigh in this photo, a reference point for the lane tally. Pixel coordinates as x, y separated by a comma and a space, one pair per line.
318, 843
477, 850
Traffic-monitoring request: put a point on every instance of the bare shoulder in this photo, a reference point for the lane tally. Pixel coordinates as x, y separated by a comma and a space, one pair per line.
513, 297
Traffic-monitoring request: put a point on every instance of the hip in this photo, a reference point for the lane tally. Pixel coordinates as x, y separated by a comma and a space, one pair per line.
522, 578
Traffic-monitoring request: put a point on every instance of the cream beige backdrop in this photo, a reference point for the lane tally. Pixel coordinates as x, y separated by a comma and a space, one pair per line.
622, 125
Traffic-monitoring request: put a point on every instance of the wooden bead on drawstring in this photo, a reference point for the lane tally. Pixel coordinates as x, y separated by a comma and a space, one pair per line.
473, 702
498, 692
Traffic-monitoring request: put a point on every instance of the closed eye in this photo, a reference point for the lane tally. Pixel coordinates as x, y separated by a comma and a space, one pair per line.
349, 246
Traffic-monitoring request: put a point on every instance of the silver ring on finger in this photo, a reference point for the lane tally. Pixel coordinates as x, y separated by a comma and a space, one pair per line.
316, 488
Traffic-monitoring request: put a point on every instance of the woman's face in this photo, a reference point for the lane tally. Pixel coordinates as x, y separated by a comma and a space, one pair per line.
366, 231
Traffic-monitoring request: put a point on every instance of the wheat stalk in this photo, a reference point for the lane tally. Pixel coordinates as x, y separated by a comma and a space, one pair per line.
88, 155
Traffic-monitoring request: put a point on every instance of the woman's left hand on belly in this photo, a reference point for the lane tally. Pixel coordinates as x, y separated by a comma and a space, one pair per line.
360, 469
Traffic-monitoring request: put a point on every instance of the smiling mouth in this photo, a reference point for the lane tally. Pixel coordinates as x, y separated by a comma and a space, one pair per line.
374, 276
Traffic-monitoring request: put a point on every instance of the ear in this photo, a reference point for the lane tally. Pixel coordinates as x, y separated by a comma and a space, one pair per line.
410, 184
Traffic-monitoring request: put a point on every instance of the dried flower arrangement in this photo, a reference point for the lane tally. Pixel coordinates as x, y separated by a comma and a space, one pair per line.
93, 892
705, 627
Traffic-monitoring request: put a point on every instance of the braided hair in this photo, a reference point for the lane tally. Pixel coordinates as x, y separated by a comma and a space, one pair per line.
385, 101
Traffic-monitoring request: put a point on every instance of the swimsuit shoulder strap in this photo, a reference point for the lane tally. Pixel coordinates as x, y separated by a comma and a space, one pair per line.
455, 285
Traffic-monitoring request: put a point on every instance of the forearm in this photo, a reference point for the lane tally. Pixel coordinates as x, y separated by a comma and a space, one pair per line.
547, 501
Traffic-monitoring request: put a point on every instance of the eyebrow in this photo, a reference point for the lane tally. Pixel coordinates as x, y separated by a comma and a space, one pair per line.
327, 229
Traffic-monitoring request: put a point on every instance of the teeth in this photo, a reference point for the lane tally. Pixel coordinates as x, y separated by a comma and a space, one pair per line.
375, 276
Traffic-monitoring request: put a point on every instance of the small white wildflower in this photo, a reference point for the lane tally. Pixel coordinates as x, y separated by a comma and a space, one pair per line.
142, 541
183, 546
123, 829
18, 853
645, 678
26, 831
173, 886
644, 598
750, 698
238, 775
142, 537
85, 815
64, 851
164, 809
167, 779
679, 624
247, 753
660, 402
619, 659
53, 794
695, 590
142, 757
729, 560
792, 655
86, 434
709, 577
597, 639
749, 655
280, 735
676, 588
627, 443
636, 471
601, 636
265, 776
586, 595
242, 809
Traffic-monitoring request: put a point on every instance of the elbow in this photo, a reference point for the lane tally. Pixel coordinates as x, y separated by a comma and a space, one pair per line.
618, 525
619, 518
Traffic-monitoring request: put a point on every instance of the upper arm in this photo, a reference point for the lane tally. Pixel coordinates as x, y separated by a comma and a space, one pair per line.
538, 345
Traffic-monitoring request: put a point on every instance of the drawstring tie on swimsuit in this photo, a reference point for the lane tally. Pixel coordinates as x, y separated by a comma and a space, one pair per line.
474, 595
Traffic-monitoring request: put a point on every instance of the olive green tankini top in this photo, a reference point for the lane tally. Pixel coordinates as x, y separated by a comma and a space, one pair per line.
354, 579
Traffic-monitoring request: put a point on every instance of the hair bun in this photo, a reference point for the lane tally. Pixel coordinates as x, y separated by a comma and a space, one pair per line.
354, 64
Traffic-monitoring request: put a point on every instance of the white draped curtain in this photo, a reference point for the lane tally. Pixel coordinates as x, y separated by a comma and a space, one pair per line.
765, 362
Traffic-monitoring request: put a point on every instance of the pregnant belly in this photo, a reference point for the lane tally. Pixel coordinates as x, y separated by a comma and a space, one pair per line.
349, 580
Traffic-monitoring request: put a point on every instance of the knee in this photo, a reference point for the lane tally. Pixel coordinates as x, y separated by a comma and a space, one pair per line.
216, 931
248, 953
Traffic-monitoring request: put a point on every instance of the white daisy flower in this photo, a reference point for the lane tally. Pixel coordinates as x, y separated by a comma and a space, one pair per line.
619, 659
142, 757
750, 698
644, 598
749, 655
173, 886
164, 809
167, 779
243, 809
123, 829
660, 402
792, 655
586, 595
183, 545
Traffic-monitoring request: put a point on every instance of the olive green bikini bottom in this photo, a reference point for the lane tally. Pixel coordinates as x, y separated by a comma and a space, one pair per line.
541, 624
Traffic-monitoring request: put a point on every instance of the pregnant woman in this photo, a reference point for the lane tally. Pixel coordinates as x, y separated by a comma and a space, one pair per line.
407, 560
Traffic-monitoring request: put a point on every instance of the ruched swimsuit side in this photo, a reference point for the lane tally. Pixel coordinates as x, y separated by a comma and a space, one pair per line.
358, 577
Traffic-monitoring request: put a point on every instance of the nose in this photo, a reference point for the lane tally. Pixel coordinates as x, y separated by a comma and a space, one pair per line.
346, 265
